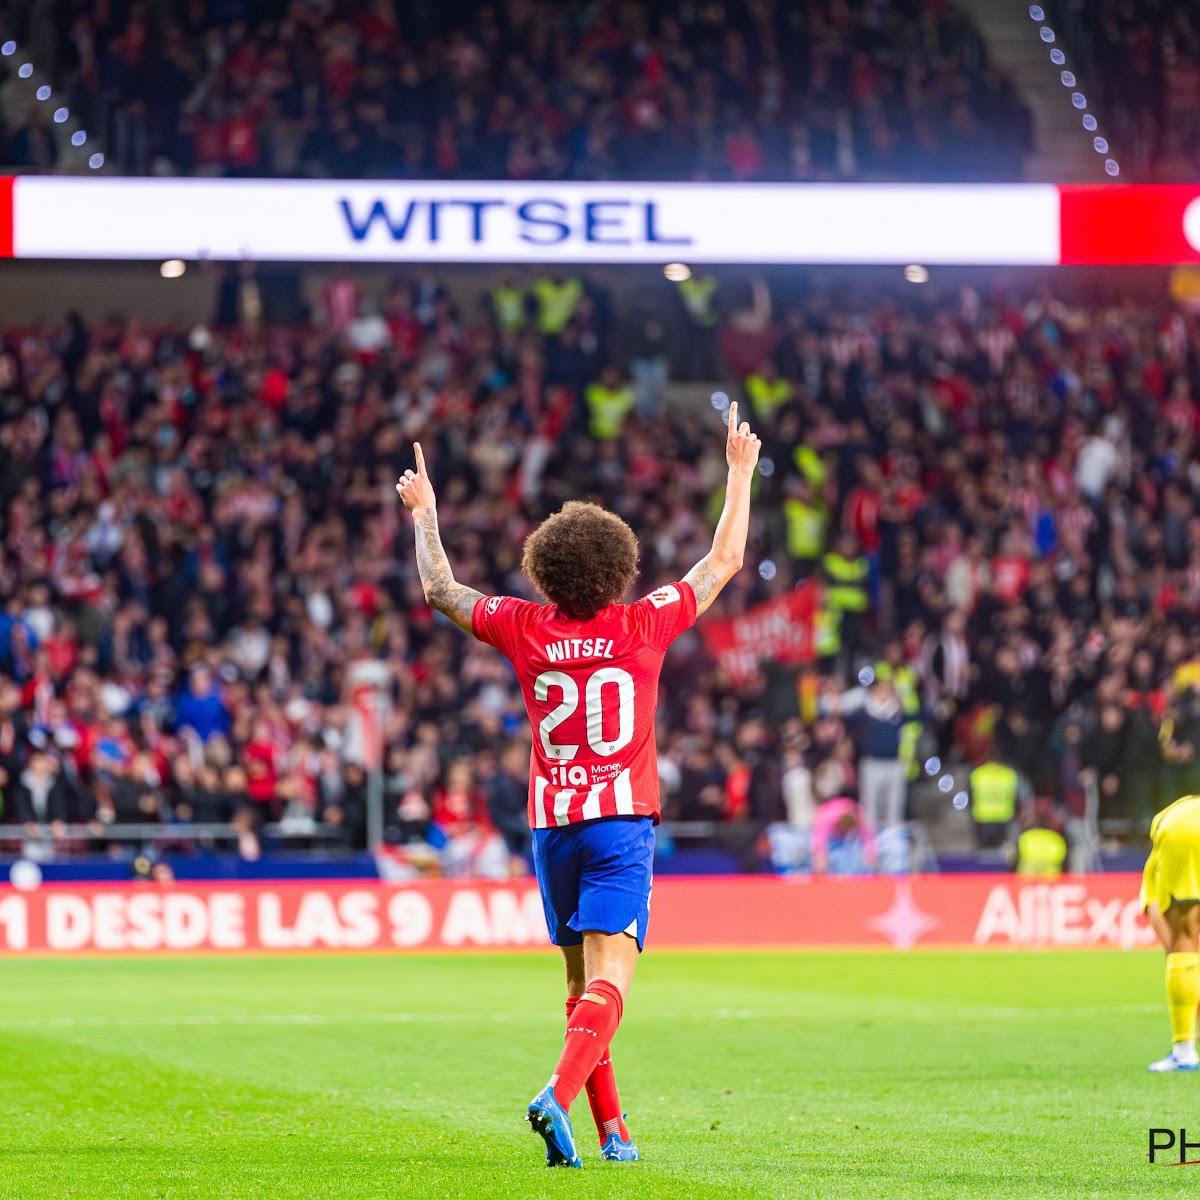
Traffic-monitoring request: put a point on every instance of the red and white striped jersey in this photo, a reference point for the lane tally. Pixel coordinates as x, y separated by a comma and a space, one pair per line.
591, 689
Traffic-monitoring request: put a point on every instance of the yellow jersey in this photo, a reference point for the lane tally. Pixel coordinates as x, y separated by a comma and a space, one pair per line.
1172, 871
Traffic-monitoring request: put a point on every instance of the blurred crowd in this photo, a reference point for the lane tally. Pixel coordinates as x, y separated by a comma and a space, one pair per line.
994, 497
723, 89
1142, 57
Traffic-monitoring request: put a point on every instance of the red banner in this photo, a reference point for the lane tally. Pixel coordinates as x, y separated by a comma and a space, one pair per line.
6, 215
779, 630
1143, 225
748, 912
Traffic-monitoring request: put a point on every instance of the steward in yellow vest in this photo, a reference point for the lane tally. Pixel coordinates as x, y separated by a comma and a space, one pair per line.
894, 670
807, 521
994, 790
767, 392
810, 464
508, 306
827, 631
846, 576
697, 292
609, 402
1042, 852
557, 299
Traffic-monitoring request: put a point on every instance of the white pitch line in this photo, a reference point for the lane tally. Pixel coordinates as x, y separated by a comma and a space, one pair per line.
425, 1018
394, 1018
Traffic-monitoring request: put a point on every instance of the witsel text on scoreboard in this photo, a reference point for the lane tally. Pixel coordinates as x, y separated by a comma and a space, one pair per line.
575, 222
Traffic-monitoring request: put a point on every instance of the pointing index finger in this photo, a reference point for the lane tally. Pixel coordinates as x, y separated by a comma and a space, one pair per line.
420, 458
732, 417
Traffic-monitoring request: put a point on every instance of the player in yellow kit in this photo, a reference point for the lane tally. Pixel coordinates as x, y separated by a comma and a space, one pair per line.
1171, 900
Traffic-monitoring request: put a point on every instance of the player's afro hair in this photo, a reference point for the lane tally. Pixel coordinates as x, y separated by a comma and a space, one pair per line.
582, 559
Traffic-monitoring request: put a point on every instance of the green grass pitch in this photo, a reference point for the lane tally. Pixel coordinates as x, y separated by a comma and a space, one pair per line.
759, 1075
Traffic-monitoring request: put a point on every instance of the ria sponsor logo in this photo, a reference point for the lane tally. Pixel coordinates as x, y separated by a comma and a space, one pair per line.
539, 221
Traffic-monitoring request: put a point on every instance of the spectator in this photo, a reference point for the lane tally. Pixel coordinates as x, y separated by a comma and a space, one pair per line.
1100, 460
508, 799
702, 785
609, 402
1179, 735
767, 393
343, 810
948, 668
697, 297
807, 520
472, 846
263, 762
1041, 848
842, 839
1105, 753
996, 789
509, 304
969, 575
650, 363
197, 794
845, 572
199, 706
876, 718
42, 796
557, 296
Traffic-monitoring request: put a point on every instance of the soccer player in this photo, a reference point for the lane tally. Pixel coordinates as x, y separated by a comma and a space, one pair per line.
588, 667
1171, 900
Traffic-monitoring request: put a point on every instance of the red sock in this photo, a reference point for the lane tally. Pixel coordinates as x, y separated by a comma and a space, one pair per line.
589, 1032
602, 1094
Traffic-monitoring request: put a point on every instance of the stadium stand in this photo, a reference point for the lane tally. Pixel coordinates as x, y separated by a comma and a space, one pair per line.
201, 534
730, 89
1142, 60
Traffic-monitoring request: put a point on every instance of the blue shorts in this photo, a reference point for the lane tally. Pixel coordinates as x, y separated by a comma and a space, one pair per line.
595, 875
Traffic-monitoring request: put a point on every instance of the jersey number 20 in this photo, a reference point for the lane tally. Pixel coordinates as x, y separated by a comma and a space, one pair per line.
593, 700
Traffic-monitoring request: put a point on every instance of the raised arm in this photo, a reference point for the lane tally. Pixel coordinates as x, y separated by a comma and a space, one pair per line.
441, 589
724, 560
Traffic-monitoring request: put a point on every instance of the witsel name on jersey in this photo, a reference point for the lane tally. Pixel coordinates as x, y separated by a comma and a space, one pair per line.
580, 648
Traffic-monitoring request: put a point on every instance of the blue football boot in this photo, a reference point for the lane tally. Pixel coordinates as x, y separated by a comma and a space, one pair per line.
615, 1150
550, 1121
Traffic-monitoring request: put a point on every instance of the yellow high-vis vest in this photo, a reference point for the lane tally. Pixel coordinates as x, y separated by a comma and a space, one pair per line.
766, 395
508, 304
1041, 852
846, 582
557, 303
806, 525
607, 410
697, 294
994, 793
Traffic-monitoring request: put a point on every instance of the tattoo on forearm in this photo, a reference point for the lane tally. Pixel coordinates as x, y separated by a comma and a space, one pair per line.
705, 583
441, 589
